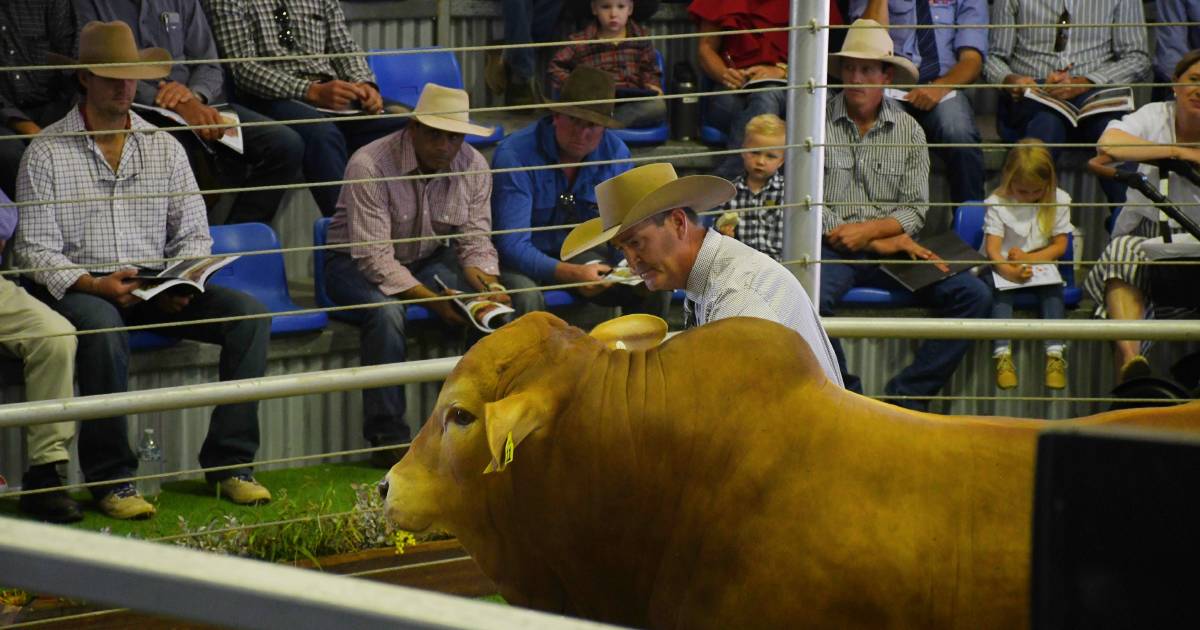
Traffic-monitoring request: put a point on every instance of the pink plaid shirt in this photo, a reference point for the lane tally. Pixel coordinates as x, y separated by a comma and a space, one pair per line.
408, 208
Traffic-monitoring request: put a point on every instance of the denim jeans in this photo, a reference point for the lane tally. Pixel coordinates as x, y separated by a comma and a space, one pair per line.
953, 121
960, 296
732, 111
528, 21
1050, 304
328, 145
102, 367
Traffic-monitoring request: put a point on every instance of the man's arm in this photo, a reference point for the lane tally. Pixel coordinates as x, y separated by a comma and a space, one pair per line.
912, 201
1001, 42
512, 209
369, 218
352, 69
478, 251
1172, 42
39, 240
187, 219
235, 32
1130, 61
205, 80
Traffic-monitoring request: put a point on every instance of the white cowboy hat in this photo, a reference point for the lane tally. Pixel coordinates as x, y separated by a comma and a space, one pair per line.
866, 39
112, 42
446, 109
640, 193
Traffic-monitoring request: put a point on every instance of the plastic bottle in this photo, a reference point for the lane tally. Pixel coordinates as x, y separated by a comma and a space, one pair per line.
685, 111
150, 462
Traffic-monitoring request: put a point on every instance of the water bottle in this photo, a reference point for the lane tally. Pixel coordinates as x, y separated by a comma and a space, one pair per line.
685, 111
150, 462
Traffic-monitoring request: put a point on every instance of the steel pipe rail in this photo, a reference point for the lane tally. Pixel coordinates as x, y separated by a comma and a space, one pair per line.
939, 328
197, 586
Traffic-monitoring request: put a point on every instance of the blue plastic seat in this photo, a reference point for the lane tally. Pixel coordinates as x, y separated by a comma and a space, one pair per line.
654, 134
968, 222
412, 313
402, 77
876, 297
262, 276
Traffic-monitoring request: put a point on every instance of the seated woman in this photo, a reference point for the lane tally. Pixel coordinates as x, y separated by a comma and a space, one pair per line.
1118, 283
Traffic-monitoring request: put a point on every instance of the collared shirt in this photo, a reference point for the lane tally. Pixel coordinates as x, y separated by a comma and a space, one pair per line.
98, 233
525, 199
729, 279
179, 26
880, 181
249, 28
949, 40
28, 30
760, 229
632, 64
406, 208
1101, 55
1174, 41
747, 49
1018, 225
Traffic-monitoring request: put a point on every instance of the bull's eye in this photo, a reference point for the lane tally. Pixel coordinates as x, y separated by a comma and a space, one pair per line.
459, 416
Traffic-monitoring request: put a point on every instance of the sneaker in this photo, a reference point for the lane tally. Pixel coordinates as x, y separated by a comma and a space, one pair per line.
1137, 367
125, 503
1006, 372
1056, 372
243, 490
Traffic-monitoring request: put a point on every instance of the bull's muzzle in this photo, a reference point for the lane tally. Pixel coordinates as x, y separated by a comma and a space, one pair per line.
383, 488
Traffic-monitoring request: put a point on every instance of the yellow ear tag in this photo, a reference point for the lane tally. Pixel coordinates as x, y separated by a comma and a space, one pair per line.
508, 451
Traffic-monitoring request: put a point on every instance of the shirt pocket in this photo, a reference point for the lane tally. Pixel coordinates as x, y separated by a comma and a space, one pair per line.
451, 210
882, 179
172, 24
839, 173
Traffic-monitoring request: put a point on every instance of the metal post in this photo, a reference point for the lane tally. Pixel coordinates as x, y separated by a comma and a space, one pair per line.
441, 35
805, 168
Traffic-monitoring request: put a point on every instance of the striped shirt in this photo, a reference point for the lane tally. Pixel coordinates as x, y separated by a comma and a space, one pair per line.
414, 207
97, 233
1100, 55
880, 181
249, 28
760, 229
729, 279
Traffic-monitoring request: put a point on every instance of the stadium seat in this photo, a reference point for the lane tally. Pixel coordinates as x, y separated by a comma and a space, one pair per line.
262, 276
655, 134
402, 77
968, 222
413, 313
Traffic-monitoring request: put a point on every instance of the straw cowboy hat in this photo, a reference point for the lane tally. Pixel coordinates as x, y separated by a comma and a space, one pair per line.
434, 109
588, 84
640, 193
866, 39
112, 42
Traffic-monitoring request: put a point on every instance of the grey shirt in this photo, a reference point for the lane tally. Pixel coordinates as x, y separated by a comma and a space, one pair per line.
732, 279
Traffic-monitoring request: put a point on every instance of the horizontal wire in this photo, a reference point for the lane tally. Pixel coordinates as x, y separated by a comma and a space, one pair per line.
407, 567
78, 617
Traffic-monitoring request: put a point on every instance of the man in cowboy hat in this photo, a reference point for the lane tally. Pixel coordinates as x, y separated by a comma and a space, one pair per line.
572, 136
882, 193
431, 143
93, 233
652, 216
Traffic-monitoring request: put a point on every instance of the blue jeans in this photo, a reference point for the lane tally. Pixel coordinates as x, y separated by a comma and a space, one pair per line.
732, 111
382, 332
960, 296
102, 367
1050, 304
953, 121
528, 21
1024, 118
328, 145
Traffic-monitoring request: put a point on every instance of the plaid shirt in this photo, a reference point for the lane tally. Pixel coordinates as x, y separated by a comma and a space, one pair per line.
96, 233
248, 28
28, 30
632, 64
761, 229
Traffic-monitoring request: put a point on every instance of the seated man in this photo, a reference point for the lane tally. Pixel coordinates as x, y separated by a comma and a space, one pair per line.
31, 100
54, 236
272, 153
301, 88
382, 272
571, 134
49, 374
889, 189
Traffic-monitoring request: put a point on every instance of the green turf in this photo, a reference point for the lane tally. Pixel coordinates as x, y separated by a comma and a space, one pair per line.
325, 488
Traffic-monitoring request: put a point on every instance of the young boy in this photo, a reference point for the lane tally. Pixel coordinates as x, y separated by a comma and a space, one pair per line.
761, 184
633, 65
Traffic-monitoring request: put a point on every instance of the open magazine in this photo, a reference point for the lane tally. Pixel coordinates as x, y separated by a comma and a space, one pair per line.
232, 137
899, 95
480, 310
191, 273
763, 83
1042, 275
1102, 101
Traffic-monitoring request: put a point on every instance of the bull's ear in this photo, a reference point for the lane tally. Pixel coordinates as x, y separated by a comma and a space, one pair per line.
510, 420
631, 332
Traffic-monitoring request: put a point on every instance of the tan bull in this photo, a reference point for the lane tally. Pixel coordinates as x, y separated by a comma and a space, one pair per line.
720, 481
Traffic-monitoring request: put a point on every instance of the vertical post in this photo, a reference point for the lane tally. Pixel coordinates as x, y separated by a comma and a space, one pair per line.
441, 34
805, 168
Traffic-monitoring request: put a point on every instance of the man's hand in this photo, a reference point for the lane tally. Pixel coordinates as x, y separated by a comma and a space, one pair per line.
483, 282
590, 272
903, 243
24, 127
926, 98
196, 113
171, 94
1068, 87
850, 237
117, 287
368, 96
447, 310
1019, 274
1019, 83
335, 94
171, 302
733, 78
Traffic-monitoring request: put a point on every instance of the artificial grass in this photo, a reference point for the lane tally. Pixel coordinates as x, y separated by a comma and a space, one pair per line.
320, 489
